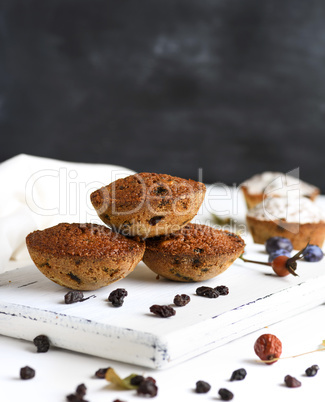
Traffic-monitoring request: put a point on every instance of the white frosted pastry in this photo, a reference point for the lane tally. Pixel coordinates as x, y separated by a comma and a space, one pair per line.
276, 184
298, 219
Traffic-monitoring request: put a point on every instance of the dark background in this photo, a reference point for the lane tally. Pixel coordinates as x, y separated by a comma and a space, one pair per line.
234, 87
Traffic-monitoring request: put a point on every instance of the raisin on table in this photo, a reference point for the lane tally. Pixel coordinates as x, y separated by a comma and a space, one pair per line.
42, 343
162, 311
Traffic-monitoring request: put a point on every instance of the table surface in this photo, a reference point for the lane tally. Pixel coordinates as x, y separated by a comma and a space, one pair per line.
59, 371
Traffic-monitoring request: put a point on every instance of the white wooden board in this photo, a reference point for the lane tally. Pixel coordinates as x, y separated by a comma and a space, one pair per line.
31, 305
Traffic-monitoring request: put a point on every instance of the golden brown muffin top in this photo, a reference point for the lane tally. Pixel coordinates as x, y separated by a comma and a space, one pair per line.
196, 239
83, 240
136, 188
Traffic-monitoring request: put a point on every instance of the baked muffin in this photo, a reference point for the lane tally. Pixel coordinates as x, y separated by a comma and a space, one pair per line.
83, 256
275, 184
195, 253
148, 204
298, 219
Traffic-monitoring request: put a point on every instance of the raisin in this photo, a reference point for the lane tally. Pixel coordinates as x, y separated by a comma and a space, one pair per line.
100, 373
117, 400
268, 347
238, 375
73, 296
225, 394
78, 396
81, 390
148, 387
222, 290
117, 296
137, 380
206, 291
202, 387
26, 373
162, 311
291, 382
312, 371
42, 343
155, 219
181, 300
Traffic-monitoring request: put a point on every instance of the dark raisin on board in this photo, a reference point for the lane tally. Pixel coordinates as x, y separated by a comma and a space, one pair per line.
81, 390
117, 296
206, 291
73, 296
222, 290
42, 343
162, 311
225, 394
26, 373
291, 382
238, 375
312, 370
202, 387
100, 373
148, 387
181, 300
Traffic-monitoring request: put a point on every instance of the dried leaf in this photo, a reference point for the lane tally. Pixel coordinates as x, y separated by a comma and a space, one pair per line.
113, 377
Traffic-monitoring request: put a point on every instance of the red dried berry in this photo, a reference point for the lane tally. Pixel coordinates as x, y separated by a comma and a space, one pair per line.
268, 347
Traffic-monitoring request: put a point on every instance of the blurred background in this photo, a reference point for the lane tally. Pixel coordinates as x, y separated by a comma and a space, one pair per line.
232, 87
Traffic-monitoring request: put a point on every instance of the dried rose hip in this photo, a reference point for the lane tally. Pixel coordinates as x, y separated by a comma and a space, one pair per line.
42, 343
26, 373
222, 290
117, 296
181, 300
202, 387
268, 347
225, 394
162, 311
291, 382
100, 373
206, 291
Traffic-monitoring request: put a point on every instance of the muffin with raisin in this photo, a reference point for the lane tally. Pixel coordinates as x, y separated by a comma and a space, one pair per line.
195, 253
148, 204
83, 256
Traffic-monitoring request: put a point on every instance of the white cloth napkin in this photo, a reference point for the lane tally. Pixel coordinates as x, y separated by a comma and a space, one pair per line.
38, 192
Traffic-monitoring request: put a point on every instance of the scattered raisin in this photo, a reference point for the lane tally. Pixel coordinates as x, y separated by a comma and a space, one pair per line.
137, 380
206, 291
222, 290
73, 296
78, 396
202, 387
312, 371
225, 394
117, 400
162, 311
291, 382
238, 375
268, 347
81, 390
181, 300
26, 373
100, 373
117, 296
148, 387
42, 343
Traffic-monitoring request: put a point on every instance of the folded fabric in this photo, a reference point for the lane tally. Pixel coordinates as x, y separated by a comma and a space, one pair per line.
39, 192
